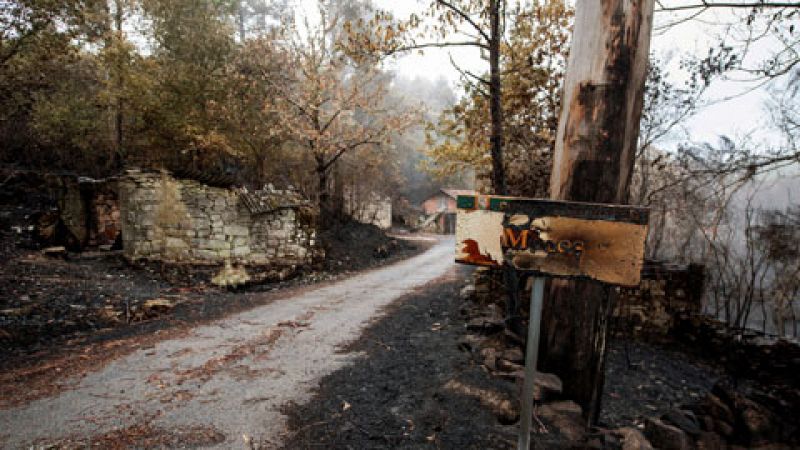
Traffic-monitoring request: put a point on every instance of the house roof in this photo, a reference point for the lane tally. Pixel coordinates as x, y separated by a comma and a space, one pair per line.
456, 192
269, 199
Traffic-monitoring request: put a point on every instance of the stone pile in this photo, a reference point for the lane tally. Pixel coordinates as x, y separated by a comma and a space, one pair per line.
556, 418
726, 419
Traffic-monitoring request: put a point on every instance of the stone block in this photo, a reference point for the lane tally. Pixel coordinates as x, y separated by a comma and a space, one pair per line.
241, 251
565, 417
173, 243
664, 436
633, 439
218, 244
236, 230
209, 255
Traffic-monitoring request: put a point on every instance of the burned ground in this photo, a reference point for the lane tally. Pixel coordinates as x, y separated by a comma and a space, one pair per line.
649, 380
404, 392
420, 383
350, 245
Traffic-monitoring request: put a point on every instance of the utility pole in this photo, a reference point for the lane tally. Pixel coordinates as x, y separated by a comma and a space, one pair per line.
593, 162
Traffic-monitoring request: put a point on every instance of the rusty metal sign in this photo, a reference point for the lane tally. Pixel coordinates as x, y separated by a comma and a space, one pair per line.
564, 239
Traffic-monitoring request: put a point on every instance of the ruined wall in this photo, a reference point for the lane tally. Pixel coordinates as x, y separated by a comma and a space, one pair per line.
665, 293
370, 208
186, 221
666, 290
107, 219
88, 208
438, 203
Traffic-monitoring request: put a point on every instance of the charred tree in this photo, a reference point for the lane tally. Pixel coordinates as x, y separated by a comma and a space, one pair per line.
593, 161
496, 98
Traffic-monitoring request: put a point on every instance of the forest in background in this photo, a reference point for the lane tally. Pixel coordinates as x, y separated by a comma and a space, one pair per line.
249, 89
231, 87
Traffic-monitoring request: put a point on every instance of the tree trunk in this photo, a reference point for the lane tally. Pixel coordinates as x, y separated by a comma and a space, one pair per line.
241, 14
117, 160
322, 179
496, 100
323, 196
593, 161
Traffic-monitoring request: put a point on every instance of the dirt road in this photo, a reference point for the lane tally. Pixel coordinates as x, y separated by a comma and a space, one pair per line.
223, 383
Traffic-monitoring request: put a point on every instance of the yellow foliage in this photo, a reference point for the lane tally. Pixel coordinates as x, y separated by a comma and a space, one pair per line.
533, 62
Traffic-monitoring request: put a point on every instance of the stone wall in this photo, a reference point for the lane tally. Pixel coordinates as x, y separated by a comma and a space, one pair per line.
666, 291
747, 353
173, 220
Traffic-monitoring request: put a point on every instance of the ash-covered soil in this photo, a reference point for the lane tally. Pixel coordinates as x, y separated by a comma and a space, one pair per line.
648, 380
413, 388
45, 299
350, 245
417, 386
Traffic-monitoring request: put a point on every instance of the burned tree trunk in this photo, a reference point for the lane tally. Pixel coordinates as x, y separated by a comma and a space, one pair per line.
496, 99
593, 161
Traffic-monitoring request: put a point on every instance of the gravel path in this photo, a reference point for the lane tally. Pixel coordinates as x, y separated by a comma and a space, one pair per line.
226, 380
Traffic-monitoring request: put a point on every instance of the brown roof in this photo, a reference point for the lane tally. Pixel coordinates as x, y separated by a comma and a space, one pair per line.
456, 192
269, 199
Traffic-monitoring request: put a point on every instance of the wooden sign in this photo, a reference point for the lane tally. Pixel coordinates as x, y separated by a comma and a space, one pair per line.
563, 239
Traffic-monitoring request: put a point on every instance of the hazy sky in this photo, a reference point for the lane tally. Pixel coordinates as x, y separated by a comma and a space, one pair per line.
739, 116
743, 115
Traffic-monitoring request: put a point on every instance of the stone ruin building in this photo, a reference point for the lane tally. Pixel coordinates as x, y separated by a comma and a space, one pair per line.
185, 221
156, 216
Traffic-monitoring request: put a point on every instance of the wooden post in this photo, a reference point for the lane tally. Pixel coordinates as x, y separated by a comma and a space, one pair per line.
593, 161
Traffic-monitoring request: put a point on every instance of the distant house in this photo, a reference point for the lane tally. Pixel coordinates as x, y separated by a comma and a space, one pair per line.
440, 210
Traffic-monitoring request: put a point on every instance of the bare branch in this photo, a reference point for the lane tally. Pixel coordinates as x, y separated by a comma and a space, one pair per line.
467, 74
709, 4
466, 18
440, 45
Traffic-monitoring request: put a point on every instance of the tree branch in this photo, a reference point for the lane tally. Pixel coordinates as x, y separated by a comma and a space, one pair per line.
468, 74
709, 4
344, 150
466, 17
440, 45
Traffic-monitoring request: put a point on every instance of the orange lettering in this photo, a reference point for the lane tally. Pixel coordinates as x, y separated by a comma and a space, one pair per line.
514, 240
